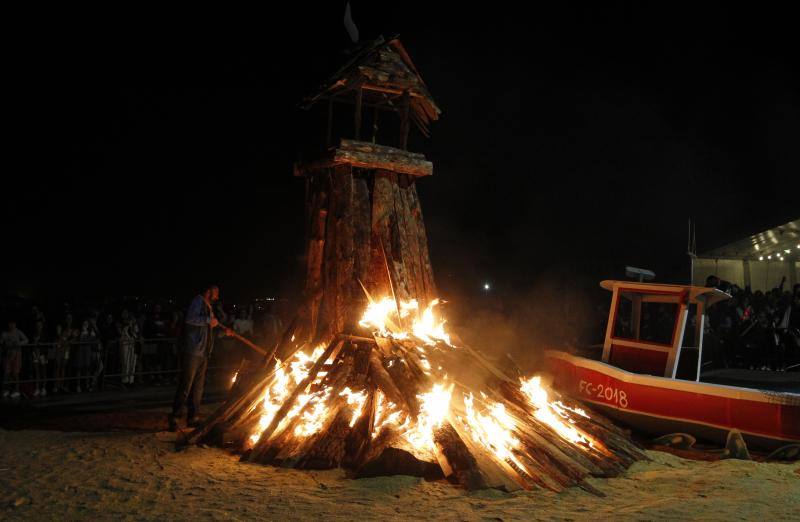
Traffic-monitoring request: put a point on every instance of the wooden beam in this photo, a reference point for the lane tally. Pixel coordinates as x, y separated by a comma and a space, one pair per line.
359, 100
371, 156
404, 121
375, 126
329, 132
263, 443
364, 103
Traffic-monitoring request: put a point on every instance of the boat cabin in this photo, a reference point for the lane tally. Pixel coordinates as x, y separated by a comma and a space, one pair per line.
657, 329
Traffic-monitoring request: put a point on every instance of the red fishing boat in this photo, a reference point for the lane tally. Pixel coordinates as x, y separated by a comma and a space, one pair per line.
648, 374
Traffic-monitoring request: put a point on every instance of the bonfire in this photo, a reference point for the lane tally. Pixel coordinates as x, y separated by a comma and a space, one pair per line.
377, 385
413, 399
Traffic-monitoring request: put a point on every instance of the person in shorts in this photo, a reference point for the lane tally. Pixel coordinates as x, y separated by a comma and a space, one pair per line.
12, 341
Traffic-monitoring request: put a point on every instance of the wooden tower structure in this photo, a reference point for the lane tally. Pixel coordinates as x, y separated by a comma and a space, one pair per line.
363, 214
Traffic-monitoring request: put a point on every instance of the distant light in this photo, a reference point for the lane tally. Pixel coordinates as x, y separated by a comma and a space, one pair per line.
760, 258
769, 257
486, 286
788, 251
756, 246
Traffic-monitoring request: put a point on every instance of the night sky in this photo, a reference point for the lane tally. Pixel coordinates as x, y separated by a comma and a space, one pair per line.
154, 150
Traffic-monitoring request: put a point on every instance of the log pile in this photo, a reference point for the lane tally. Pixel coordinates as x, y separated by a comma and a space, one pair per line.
397, 403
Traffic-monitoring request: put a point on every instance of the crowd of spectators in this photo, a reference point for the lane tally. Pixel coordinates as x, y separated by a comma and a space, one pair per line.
755, 330
129, 342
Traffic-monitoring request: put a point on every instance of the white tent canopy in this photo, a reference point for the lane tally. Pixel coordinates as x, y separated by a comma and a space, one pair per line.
759, 261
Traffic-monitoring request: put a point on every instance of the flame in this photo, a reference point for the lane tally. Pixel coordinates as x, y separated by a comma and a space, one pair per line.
548, 412
235, 375
314, 418
560, 405
434, 408
302, 363
355, 400
490, 426
429, 329
493, 431
386, 413
386, 317
279, 389
377, 315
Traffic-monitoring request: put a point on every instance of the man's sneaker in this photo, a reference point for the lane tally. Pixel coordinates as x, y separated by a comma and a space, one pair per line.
36, 393
44, 392
15, 395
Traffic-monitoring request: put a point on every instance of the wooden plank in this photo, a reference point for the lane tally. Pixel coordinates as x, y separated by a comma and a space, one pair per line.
426, 268
455, 459
359, 99
263, 443
368, 156
404, 120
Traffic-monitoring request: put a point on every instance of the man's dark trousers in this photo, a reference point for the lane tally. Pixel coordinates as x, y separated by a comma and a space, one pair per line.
190, 387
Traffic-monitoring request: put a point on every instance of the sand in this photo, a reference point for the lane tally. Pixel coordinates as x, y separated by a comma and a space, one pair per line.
49, 475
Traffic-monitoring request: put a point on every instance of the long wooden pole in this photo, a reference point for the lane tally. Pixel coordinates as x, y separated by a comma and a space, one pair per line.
245, 340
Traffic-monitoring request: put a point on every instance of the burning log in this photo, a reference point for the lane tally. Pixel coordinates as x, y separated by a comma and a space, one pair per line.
330, 448
396, 461
279, 416
456, 460
380, 376
384, 406
381, 407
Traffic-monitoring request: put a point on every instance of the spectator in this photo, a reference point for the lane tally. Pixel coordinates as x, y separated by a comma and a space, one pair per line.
109, 337
157, 357
243, 324
39, 358
755, 329
226, 352
60, 355
84, 355
36, 316
127, 350
713, 281
271, 326
147, 350
12, 340
175, 332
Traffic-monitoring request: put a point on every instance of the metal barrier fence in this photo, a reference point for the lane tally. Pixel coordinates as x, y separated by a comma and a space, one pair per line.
116, 362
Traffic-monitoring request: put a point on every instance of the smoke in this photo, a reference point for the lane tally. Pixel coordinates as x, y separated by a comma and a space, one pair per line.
556, 311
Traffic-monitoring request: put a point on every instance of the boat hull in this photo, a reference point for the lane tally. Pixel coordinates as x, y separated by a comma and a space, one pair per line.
658, 405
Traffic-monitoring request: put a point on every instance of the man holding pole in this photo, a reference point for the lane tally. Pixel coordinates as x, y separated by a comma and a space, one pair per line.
199, 342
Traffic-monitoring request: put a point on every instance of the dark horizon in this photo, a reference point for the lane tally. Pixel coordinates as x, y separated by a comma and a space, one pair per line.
572, 141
